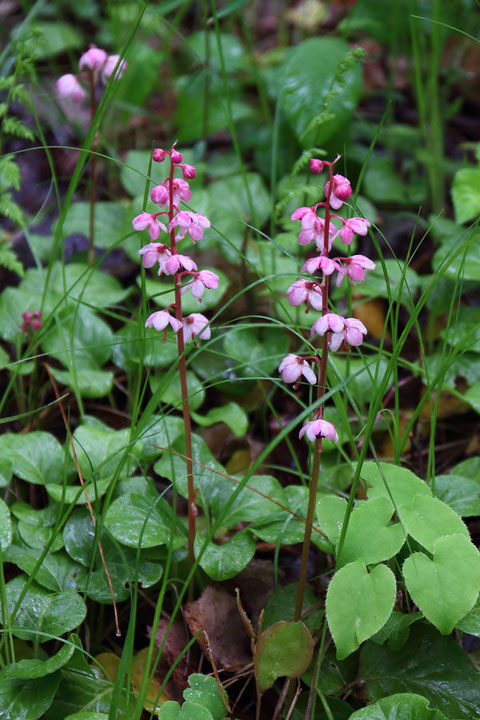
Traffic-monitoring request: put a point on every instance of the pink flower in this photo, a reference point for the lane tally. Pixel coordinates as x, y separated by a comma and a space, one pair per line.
175, 262
354, 331
159, 195
31, 321
305, 291
349, 330
195, 324
181, 191
188, 171
329, 321
314, 428
176, 156
68, 87
93, 59
153, 253
191, 223
147, 220
316, 166
293, 367
110, 65
159, 155
353, 225
341, 191
203, 279
353, 266
312, 227
161, 319
323, 263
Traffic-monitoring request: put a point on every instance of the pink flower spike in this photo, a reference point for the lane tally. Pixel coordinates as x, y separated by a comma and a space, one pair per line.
301, 212
181, 191
354, 266
191, 223
323, 263
153, 253
203, 279
354, 331
188, 171
110, 65
316, 166
161, 319
293, 367
329, 321
175, 262
159, 195
93, 59
69, 88
159, 155
321, 428
147, 220
195, 324
305, 291
341, 191
359, 226
176, 156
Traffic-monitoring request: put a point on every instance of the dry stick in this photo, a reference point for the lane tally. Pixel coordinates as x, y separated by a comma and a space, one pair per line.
302, 579
192, 508
93, 174
87, 499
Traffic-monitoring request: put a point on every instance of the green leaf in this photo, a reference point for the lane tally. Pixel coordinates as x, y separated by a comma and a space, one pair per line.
390, 481
133, 519
232, 50
90, 383
284, 649
171, 710
94, 287
31, 669
134, 178
81, 692
281, 605
204, 691
466, 194
471, 622
461, 488
466, 264
79, 337
57, 571
100, 453
398, 276
284, 528
396, 630
38, 537
429, 665
36, 457
358, 604
108, 223
55, 38
222, 562
426, 519
231, 414
466, 327
134, 346
472, 396
67, 494
253, 503
307, 80
384, 184
42, 611
5, 526
258, 351
169, 390
88, 716
445, 588
160, 431
370, 535
403, 706
27, 699
330, 511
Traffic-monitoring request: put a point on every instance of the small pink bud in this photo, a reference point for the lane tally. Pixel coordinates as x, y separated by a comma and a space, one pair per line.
316, 166
93, 59
69, 88
159, 195
176, 156
188, 171
340, 191
159, 155
110, 65
321, 428
36, 324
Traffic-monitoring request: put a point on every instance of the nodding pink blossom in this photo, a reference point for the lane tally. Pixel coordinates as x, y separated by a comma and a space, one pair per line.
203, 279
176, 156
323, 263
110, 65
353, 266
188, 171
175, 262
69, 88
191, 223
161, 319
321, 428
147, 220
159, 195
316, 166
356, 225
349, 330
293, 367
93, 59
31, 321
153, 253
330, 321
341, 191
195, 324
181, 190
305, 291
159, 155
312, 227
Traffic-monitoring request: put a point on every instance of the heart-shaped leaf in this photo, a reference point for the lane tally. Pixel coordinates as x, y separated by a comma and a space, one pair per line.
283, 650
426, 519
390, 481
222, 562
358, 604
134, 518
27, 699
403, 706
370, 536
330, 511
445, 588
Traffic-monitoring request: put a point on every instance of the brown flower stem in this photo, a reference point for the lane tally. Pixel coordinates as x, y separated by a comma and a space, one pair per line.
192, 507
93, 174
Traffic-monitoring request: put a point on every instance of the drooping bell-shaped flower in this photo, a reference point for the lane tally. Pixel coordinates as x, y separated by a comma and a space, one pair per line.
191, 223
195, 325
147, 220
353, 266
203, 279
177, 262
93, 59
161, 319
110, 65
316, 428
153, 253
69, 88
305, 291
340, 192
293, 367
351, 227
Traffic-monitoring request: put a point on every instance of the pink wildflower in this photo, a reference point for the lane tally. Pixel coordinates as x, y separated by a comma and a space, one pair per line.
353, 266
195, 324
31, 321
153, 253
188, 171
349, 330
330, 321
93, 59
341, 191
159, 195
323, 263
191, 223
293, 367
161, 319
354, 331
68, 87
147, 220
203, 279
305, 291
110, 65
312, 227
316, 166
314, 428
176, 156
159, 155
353, 225
181, 190
175, 262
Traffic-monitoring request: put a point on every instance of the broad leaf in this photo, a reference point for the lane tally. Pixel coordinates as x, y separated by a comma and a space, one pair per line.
26, 699
284, 649
282, 604
426, 519
36, 456
222, 562
231, 414
403, 706
370, 535
461, 488
204, 691
81, 692
30, 669
167, 388
108, 222
135, 519
101, 453
390, 481
466, 194
57, 571
5, 526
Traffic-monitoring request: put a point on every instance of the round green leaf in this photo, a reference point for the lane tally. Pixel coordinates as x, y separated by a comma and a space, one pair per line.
466, 194
75, 493
426, 519
204, 691
5, 526
30, 669
27, 699
100, 452
330, 510
91, 383
283, 650
258, 351
222, 562
387, 480
146, 346
231, 414
358, 604
107, 226
135, 518
56, 572
370, 535
445, 588
403, 706
36, 456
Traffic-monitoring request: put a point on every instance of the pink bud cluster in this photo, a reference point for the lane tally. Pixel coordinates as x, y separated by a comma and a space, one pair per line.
95, 62
171, 193
31, 321
337, 331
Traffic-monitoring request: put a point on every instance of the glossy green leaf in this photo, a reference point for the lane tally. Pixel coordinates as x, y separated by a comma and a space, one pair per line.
471, 622
390, 481
135, 519
396, 630
313, 64
358, 604
465, 329
87, 716
284, 649
398, 276
108, 222
6, 469
253, 503
330, 511
5, 526
134, 178
204, 691
231, 414
79, 337
147, 348
426, 519
472, 396
159, 432
27, 699
232, 50
465, 263
75, 493
38, 537
91, 383
167, 388
171, 710
42, 611
30, 669
445, 588
57, 571
282, 603
36, 456
224, 561
371, 537
101, 453
461, 488
466, 194
429, 665
83, 692
403, 706
93, 286
258, 351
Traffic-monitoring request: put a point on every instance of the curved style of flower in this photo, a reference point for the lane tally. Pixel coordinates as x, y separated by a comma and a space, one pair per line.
293, 367
316, 428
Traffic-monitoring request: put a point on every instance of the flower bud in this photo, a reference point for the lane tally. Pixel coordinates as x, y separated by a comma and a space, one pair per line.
188, 171
159, 155
316, 166
176, 156
159, 195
